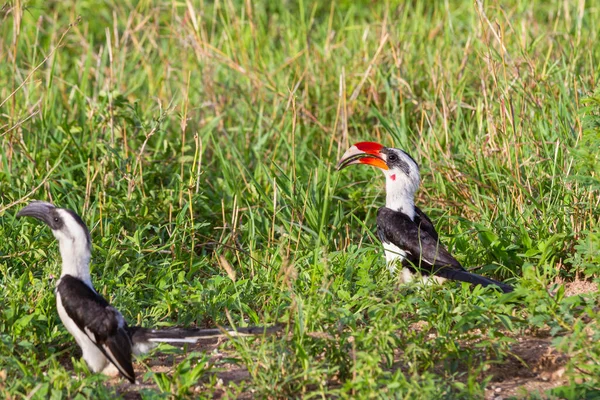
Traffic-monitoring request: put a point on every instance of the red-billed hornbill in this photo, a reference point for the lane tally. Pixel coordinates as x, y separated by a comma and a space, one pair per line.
407, 234
107, 342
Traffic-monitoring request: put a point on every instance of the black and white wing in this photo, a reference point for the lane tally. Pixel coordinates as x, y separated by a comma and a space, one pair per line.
424, 252
417, 238
101, 323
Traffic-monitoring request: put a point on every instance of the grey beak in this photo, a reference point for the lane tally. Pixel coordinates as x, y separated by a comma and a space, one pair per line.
40, 210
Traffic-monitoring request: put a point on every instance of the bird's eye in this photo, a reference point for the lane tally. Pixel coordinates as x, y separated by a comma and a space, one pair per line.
392, 157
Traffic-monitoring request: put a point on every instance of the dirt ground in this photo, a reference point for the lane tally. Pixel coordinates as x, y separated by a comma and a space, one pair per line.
227, 373
534, 365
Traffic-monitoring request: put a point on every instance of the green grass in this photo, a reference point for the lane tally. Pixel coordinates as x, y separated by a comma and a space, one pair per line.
188, 131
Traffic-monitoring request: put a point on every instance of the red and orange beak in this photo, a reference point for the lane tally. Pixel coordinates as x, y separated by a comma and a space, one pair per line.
363, 153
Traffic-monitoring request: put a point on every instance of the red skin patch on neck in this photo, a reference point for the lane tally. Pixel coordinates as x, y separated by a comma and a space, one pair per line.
393, 177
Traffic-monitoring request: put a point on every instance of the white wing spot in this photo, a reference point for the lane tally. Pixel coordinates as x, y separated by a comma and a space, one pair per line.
114, 360
393, 256
90, 334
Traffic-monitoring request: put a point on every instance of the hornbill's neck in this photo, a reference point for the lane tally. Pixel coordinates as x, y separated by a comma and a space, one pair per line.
399, 197
76, 254
72, 235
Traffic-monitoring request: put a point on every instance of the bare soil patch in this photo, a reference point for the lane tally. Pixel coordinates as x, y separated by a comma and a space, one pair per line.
226, 372
533, 366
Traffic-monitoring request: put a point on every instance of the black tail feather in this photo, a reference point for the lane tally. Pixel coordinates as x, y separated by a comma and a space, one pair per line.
474, 279
175, 336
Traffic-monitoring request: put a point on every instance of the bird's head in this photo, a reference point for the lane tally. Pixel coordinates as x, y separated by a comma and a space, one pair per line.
400, 170
71, 232
65, 224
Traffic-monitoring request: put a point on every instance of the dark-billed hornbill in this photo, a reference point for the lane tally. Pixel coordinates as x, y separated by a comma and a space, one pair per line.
107, 342
407, 234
